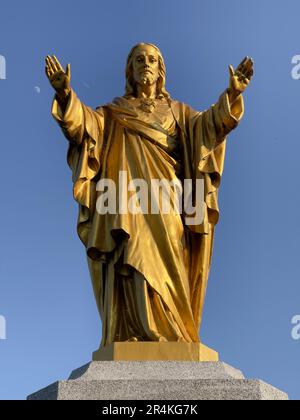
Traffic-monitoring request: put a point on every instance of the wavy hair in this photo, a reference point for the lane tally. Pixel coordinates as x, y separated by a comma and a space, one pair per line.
161, 82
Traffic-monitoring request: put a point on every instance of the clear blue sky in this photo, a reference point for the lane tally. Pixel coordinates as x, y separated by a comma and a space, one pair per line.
254, 288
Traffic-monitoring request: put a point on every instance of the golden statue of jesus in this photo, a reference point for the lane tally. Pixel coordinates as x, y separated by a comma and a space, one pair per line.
149, 271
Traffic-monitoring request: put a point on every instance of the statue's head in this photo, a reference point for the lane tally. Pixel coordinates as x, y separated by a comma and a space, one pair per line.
145, 65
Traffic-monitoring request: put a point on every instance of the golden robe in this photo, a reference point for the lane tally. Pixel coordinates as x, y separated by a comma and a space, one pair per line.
149, 271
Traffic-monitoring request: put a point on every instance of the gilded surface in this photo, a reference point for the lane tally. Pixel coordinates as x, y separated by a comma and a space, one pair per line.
149, 271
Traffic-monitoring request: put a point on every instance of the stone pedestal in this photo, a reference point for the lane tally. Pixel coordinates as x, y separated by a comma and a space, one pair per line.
158, 380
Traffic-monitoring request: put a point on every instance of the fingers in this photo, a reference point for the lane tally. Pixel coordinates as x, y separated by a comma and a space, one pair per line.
53, 66
50, 67
231, 71
250, 70
48, 71
246, 68
68, 71
57, 64
242, 64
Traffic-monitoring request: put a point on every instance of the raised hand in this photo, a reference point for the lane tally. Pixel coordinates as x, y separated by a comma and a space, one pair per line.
59, 78
241, 77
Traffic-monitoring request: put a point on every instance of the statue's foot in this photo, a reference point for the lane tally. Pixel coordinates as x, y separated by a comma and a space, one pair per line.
162, 339
159, 338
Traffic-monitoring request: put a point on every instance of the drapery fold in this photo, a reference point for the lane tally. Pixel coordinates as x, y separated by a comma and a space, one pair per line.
173, 258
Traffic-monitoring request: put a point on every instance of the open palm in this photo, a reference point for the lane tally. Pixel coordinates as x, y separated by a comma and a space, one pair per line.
241, 77
59, 78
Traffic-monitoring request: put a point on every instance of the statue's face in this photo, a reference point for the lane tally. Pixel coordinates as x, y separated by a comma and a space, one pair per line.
145, 65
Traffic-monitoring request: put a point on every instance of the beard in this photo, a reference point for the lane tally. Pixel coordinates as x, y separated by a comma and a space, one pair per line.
147, 80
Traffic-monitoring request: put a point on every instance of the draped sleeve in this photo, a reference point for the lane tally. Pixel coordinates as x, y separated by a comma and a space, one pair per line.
204, 145
84, 128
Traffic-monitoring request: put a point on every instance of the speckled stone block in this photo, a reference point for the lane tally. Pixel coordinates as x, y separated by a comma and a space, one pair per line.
158, 381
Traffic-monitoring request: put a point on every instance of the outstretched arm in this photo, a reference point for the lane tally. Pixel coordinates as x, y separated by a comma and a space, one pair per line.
224, 116
211, 127
239, 81
240, 78
77, 120
67, 109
